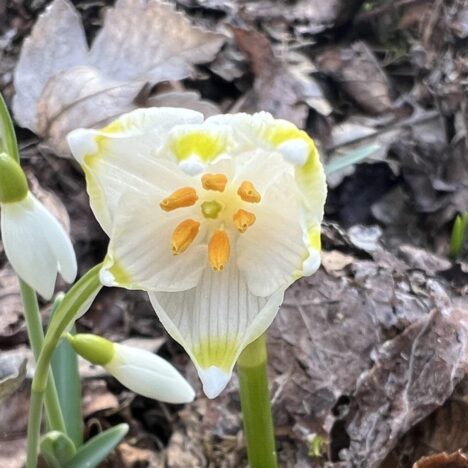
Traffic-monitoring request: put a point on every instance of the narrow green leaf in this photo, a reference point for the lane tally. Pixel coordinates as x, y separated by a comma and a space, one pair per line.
67, 381
353, 157
93, 452
459, 229
57, 449
7, 132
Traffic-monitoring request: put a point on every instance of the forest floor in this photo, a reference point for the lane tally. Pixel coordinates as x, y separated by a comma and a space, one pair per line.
368, 357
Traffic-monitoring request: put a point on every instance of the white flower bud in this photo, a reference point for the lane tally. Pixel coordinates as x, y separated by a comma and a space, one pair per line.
36, 245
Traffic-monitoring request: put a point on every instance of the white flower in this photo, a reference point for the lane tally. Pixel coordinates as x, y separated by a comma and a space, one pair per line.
214, 219
139, 370
36, 245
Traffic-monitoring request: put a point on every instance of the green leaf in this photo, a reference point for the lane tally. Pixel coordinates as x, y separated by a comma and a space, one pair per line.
316, 445
93, 452
353, 157
57, 449
67, 381
7, 132
459, 229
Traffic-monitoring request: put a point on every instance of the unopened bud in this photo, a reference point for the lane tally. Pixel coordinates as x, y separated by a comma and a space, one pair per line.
13, 183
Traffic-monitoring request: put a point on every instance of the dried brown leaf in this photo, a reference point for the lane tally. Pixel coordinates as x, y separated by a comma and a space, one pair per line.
96, 398
307, 16
140, 43
12, 375
275, 89
414, 374
11, 309
443, 460
443, 430
13, 424
359, 73
186, 99
57, 42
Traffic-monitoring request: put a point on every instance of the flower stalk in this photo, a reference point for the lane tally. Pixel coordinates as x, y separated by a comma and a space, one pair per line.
256, 407
75, 303
36, 339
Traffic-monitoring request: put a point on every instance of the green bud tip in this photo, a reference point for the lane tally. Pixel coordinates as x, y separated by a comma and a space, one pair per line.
13, 182
93, 348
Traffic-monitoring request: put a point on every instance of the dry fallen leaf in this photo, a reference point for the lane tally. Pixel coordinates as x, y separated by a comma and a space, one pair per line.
61, 85
12, 375
443, 460
307, 16
359, 73
275, 89
13, 425
96, 397
12, 329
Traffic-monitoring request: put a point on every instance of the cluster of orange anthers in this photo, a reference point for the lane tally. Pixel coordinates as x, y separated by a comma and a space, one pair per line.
187, 230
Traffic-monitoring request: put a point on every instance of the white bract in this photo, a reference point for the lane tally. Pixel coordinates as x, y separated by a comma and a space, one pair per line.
214, 218
36, 245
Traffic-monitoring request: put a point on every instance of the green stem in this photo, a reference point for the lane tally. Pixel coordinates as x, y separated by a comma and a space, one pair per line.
36, 339
256, 408
34, 428
74, 304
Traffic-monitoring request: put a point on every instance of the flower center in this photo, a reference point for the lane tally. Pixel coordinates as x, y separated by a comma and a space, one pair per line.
225, 207
211, 209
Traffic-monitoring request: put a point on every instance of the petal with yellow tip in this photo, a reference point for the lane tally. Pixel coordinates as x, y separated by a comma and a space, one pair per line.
215, 327
120, 157
197, 141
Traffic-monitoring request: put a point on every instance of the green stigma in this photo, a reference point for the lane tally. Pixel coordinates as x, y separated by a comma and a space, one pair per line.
211, 209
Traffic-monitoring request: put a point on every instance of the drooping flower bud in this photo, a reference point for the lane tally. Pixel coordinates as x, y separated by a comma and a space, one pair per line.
139, 370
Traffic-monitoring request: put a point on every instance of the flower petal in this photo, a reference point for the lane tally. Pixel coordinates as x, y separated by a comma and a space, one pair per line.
115, 158
36, 245
215, 321
140, 252
149, 375
261, 130
272, 251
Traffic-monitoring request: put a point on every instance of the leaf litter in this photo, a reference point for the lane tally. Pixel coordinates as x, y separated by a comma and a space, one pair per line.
61, 84
369, 355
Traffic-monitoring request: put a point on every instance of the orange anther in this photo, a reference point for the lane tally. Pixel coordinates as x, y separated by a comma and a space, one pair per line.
183, 235
243, 219
248, 193
219, 250
215, 182
185, 196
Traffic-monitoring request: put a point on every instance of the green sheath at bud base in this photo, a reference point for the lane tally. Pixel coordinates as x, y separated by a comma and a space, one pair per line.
13, 183
93, 348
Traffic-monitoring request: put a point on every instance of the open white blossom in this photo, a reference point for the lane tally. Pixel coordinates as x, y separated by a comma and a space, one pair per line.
214, 218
